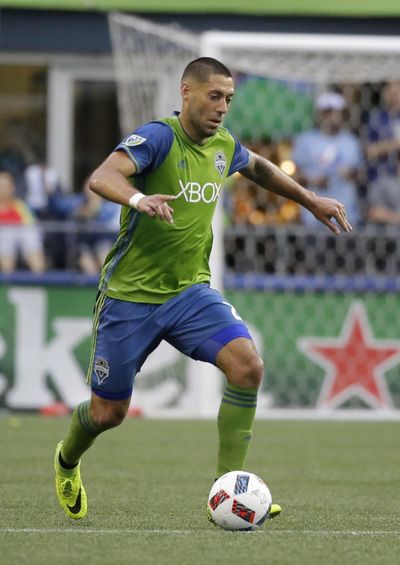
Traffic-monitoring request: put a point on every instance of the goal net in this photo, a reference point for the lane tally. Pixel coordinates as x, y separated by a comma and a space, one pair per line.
323, 310
149, 61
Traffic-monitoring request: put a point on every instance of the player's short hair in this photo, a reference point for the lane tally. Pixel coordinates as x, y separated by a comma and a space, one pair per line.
201, 69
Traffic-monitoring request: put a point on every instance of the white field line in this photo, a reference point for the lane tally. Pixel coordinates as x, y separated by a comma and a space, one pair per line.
266, 531
265, 413
312, 414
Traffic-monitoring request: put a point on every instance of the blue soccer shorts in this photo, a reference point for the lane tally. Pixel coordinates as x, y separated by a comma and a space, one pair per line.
198, 322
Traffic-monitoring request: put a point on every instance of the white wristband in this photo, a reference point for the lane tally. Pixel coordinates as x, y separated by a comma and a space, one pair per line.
135, 199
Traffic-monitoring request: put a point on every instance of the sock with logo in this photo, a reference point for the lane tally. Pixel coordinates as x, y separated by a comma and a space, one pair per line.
235, 422
80, 435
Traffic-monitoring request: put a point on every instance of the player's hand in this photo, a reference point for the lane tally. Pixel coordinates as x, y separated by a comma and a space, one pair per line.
328, 209
156, 205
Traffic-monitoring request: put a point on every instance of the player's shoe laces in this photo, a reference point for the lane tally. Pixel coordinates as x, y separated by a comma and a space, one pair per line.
70, 492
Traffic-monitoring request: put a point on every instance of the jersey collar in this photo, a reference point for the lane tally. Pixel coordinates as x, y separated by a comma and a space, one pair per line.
185, 136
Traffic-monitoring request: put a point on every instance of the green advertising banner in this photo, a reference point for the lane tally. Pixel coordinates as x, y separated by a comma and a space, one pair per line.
327, 349
322, 350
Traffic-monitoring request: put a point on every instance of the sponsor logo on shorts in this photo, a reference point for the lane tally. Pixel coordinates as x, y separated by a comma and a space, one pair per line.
134, 140
101, 369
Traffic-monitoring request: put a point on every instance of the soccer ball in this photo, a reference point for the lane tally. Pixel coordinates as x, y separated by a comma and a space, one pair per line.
239, 501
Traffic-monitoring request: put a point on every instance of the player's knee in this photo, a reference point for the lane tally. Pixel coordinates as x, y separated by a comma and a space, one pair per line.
109, 417
250, 374
255, 372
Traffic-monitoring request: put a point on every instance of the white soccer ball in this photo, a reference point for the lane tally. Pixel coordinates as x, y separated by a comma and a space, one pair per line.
239, 501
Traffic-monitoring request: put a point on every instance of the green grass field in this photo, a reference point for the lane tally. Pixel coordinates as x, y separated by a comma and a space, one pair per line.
147, 484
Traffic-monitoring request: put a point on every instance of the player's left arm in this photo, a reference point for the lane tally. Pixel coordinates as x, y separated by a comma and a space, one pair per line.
269, 176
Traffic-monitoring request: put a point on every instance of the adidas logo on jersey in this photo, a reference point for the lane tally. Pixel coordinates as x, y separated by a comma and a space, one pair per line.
195, 192
182, 164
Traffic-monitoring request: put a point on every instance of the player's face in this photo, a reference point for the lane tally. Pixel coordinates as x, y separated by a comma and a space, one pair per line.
205, 105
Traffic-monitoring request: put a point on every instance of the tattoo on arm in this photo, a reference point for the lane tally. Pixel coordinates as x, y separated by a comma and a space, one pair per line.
270, 177
259, 171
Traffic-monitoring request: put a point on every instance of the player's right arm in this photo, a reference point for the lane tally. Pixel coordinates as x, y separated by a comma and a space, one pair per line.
110, 180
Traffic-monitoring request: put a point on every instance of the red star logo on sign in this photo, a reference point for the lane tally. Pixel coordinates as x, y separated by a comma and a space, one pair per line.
355, 362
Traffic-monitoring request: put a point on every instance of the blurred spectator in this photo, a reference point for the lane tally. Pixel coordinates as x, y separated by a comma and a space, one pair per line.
384, 198
18, 233
329, 158
12, 160
43, 191
16, 150
49, 202
98, 221
382, 134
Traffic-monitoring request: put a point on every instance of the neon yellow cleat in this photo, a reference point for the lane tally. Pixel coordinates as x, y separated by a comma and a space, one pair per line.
274, 511
70, 492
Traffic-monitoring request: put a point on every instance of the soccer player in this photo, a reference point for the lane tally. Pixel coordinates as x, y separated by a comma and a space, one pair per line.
167, 175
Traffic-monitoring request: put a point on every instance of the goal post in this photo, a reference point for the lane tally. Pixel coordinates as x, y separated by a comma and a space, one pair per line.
318, 58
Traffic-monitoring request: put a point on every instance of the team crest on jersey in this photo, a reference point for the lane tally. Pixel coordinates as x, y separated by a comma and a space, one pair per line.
101, 369
134, 140
220, 162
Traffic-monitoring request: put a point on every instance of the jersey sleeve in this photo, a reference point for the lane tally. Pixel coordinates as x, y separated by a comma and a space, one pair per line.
241, 157
148, 145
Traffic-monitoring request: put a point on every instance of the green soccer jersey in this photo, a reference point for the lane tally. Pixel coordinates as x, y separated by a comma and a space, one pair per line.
152, 260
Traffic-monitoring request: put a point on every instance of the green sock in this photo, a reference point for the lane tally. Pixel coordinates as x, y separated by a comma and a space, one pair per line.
235, 422
80, 435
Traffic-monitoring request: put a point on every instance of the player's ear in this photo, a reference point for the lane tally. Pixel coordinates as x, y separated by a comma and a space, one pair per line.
185, 90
